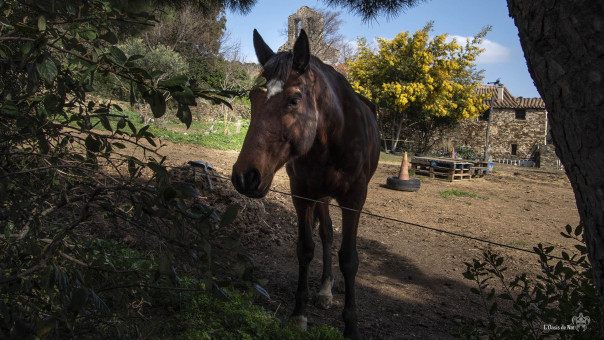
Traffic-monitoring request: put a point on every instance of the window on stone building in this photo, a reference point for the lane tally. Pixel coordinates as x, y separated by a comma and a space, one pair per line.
514, 149
521, 114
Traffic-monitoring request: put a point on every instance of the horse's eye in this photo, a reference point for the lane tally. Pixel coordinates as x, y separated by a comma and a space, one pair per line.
293, 102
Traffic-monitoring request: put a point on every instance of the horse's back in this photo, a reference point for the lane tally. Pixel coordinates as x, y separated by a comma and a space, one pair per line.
368, 103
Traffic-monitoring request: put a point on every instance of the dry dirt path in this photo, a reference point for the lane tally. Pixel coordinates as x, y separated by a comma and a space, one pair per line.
409, 283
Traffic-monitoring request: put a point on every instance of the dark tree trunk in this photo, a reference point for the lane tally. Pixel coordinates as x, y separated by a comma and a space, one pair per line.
563, 43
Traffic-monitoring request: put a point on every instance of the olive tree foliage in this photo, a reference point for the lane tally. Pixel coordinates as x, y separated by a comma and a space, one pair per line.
420, 84
189, 27
190, 33
160, 60
76, 175
195, 32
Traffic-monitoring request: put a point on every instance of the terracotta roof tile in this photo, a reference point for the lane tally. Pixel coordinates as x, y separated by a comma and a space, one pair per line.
509, 101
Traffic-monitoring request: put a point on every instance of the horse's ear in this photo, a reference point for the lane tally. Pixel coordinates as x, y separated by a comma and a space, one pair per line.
263, 52
301, 52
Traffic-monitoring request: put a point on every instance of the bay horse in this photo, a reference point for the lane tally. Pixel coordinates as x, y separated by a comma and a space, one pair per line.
309, 118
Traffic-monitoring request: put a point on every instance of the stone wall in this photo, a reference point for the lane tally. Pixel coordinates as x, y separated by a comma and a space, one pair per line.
547, 158
505, 131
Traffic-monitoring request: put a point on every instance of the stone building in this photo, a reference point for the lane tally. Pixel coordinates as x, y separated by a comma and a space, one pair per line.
313, 24
518, 127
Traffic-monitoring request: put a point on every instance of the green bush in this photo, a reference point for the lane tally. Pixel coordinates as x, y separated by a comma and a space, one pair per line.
552, 304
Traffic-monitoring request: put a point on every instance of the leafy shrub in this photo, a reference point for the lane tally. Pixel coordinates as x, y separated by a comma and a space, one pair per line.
542, 307
92, 226
465, 152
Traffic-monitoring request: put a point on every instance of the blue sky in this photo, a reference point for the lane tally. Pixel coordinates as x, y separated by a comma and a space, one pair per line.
503, 57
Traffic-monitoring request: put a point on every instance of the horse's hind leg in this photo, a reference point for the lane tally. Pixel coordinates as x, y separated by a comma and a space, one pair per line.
324, 298
305, 251
349, 260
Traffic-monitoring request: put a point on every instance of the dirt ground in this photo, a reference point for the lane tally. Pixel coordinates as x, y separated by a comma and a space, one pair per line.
409, 283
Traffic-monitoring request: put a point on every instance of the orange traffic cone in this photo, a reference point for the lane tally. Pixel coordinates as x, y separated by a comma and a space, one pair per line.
404, 172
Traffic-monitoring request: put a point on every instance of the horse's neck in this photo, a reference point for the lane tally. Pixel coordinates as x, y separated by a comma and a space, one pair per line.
338, 110
339, 120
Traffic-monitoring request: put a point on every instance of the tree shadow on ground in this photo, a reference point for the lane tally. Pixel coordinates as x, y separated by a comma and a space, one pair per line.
395, 297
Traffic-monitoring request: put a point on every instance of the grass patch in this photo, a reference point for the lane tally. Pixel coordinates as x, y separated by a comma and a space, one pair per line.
518, 244
216, 140
387, 157
203, 316
459, 193
197, 134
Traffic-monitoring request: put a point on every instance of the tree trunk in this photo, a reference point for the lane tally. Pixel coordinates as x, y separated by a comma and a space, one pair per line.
398, 135
380, 119
563, 43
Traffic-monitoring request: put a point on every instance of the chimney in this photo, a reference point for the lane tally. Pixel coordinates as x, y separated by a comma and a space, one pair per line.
499, 92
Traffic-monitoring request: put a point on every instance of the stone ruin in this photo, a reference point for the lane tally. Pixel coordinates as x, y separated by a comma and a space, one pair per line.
313, 24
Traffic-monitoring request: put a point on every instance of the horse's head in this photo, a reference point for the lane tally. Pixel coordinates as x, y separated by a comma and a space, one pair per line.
283, 119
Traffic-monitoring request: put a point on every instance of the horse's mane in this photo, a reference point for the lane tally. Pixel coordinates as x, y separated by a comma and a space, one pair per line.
278, 67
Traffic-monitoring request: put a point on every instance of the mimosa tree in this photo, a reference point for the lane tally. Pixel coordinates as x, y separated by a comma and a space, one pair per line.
420, 84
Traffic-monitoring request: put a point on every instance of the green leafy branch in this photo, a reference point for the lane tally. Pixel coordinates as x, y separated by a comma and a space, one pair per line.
528, 306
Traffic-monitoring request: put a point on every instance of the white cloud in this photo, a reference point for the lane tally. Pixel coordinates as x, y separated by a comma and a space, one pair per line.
493, 52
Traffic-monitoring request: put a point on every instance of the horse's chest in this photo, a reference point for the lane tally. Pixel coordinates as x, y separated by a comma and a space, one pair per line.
319, 180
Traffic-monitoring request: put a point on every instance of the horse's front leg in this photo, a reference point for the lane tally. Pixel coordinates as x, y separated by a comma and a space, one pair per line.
349, 259
305, 252
324, 298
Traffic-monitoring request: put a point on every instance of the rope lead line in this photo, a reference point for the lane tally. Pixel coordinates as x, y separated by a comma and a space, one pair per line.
405, 222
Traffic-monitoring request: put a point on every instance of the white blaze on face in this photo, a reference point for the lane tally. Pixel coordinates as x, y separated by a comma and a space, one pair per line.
273, 87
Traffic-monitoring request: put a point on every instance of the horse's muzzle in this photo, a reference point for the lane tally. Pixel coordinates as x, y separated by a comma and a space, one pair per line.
248, 183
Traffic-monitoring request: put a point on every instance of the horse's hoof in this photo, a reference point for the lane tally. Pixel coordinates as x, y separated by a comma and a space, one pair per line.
300, 321
352, 335
324, 298
324, 301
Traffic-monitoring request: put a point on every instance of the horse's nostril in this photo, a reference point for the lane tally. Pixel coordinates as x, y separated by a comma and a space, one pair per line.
247, 182
238, 181
252, 179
